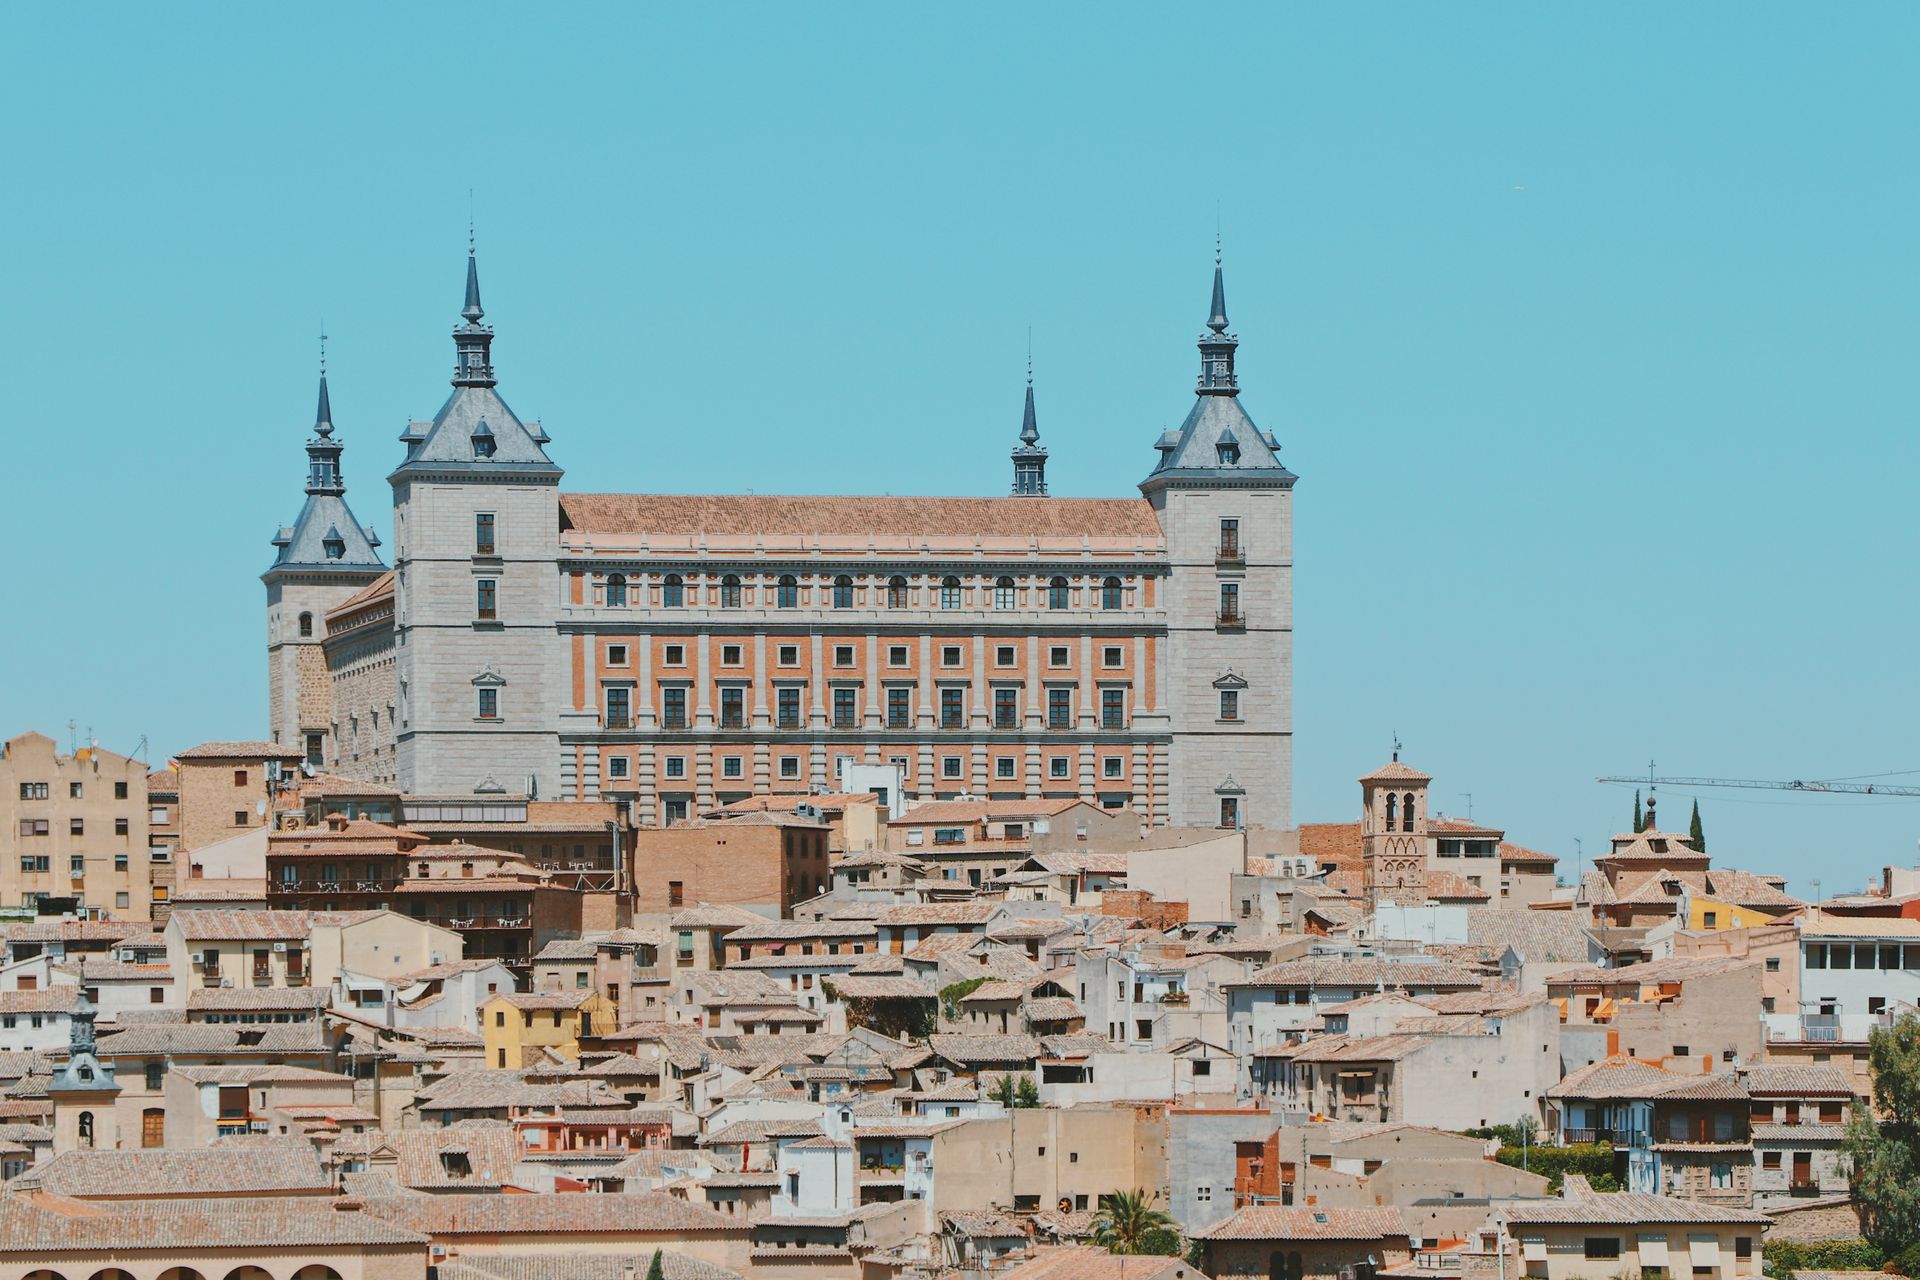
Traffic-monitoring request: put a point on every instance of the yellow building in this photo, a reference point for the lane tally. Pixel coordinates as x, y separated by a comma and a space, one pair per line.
517, 1027
1712, 914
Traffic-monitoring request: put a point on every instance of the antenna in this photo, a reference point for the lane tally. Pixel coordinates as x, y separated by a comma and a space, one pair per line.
469, 222
1469, 798
323, 347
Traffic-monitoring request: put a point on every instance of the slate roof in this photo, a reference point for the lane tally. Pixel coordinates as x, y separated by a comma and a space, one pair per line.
755, 514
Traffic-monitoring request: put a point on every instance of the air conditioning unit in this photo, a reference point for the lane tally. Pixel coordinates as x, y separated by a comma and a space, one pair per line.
280, 946
226, 982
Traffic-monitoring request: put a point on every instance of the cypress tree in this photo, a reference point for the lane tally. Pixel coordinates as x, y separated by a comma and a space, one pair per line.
654, 1270
1639, 824
1695, 832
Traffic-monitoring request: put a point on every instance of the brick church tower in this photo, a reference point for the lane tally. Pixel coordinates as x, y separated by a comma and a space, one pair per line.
1393, 833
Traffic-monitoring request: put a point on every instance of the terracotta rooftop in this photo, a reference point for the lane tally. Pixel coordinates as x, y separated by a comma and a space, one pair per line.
456, 1214
239, 751
1272, 1222
277, 1167
227, 926
41, 1224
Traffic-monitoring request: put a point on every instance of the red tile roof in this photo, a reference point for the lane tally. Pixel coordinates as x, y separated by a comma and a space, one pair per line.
772, 513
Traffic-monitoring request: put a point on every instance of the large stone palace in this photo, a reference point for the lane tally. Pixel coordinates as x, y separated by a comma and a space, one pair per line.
685, 651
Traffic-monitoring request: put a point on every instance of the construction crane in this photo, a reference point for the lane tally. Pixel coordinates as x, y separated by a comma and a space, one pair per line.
1756, 784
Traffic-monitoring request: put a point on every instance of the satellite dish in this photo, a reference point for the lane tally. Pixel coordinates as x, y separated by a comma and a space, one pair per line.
260, 808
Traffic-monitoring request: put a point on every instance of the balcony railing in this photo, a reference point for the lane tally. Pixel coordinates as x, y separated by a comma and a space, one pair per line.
673, 720
1231, 618
1230, 552
619, 720
732, 719
1575, 1136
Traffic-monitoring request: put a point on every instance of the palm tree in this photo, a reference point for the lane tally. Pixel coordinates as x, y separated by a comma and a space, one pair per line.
1127, 1220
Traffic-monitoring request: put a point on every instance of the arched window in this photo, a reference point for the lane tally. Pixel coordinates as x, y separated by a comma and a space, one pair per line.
306, 625
843, 592
1406, 812
789, 593
730, 591
949, 592
673, 592
1057, 594
84, 1128
896, 592
1393, 810
1003, 593
1110, 595
616, 591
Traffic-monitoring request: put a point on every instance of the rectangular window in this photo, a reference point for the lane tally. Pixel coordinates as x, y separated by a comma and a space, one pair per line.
240, 815
1229, 704
950, 655
897, 655
846, 708
76, 826
1603, 1247
617, 767
950, 766
119, 791
676, 766
1112, 655
899, 708
74, 790
616, 655
33, 791
789, 655
730, 655
953, 708
1003, 655
1060, 767
1230, 812
676, 813
489, 707
789, 766
486, 601
1229, 539
733, 766
1005, 767
1114, 766
673, 707
787, 705
1059, 708
673, 655
1113, 708
733, 707
1006, 708
483, 533
619, 707
843, 655
1230, 602
676, 893
1060, 655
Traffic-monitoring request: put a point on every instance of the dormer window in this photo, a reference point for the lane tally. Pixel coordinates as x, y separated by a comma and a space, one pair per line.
1229, 454
335, 546
483, 442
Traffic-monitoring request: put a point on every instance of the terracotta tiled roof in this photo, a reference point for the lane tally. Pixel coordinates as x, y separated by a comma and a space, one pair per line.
57, 999
1765, 1079
756, 514
618, 1265
42, 1224
1395, 771
920, 913
984, 1050
163, 782
456, 1214
220, 889
1336, 971
1271, 1222
1081, 1262
1520, 853
1625, 1209
241, 925
380, 588
253, 999
239, 751
275, 1167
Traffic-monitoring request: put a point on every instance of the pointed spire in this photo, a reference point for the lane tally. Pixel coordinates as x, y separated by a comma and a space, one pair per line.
1217, 319
471, 313
1029, 424
323, 416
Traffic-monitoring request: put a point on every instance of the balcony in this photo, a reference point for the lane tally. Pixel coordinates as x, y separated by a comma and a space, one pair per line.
1585, 1136
619, 720
1231, 620
732, 719
673, 719
1230, 551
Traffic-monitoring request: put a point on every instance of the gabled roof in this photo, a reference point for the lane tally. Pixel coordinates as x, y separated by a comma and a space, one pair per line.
754, 514
1272, 1222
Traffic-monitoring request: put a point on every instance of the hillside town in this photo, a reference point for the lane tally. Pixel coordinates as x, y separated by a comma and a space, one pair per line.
260, 1019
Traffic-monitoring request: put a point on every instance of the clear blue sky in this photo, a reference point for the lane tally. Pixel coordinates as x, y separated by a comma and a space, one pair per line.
1590, 331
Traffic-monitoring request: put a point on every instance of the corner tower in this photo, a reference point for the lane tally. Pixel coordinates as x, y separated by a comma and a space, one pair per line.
1225, 505
478, 665
322, 558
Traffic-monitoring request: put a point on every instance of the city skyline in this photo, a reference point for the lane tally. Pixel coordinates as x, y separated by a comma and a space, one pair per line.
1602, 388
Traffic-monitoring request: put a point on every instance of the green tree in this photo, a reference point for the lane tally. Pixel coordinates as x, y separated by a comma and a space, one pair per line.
1128, 1223
1015, 1092
1886, 1154
1029, 1093
1695, 832
654, 1270
954, 992
1639, 823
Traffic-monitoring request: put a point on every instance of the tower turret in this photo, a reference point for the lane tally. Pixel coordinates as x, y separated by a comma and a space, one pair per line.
320, 560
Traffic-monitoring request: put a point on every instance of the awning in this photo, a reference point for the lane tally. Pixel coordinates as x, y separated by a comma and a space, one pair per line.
1653, 1251
1533, 1248
1704, 1250
1363, 1075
